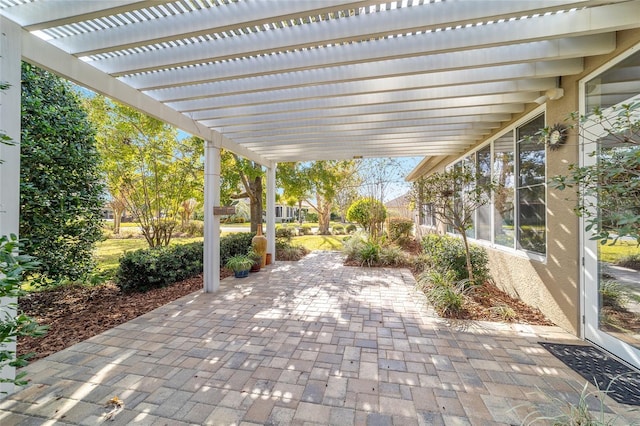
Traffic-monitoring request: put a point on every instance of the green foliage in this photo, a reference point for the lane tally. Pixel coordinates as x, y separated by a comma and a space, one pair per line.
195, 228
392, 255
454, 195
311, 217
239, 262
443, 291
351, 228
367, 212
613, 295
290, 252
338, 230
445, 252
285, 233
12, 268
144, 269
630, 261
400, 228
305, 230
147, 169
61, 190
608, 191
369, 254
233, 244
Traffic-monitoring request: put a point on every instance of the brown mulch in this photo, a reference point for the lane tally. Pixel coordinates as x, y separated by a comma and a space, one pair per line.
76, 313
489, 303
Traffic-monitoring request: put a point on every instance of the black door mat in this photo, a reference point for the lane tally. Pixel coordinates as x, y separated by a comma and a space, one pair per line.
619, 381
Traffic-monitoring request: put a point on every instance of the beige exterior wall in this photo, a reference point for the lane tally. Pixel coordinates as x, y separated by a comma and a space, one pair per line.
553, 286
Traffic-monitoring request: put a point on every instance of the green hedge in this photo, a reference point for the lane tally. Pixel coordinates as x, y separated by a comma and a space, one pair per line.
447, 253
399, 228
145, 269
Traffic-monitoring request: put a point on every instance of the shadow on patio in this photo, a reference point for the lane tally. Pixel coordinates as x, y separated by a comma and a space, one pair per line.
302, 343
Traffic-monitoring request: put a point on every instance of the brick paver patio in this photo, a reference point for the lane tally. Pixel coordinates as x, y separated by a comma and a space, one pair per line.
310, 342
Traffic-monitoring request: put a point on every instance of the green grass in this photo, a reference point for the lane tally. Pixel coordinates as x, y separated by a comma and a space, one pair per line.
319, 242
612, 254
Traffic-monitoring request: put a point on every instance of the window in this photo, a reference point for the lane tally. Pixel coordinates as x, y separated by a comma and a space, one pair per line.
515, 217
531, 189
504, 177
428, 217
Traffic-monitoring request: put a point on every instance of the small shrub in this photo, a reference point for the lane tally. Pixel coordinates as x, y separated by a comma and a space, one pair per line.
352, 245
631, 261
445, 294
311, 217
144, 269
392, 255
305, 230
285, 233
351, 228
447, 253
233, 244
612, 295
369, 254
195, 228
400, 228
290, 252
338, 230
505, 312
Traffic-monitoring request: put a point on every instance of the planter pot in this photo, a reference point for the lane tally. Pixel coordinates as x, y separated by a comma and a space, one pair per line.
259, 244
268, 259
241, 274
256, 267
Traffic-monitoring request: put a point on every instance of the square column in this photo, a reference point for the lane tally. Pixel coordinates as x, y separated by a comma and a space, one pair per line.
212, 167
271, 210
10, 57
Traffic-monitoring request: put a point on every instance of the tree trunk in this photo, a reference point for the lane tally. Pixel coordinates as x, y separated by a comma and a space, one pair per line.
324, 216
255, 197
467, 253
300, 211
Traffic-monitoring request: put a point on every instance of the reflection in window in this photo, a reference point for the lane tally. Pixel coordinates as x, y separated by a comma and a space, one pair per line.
531, 188
503, 207
483, 225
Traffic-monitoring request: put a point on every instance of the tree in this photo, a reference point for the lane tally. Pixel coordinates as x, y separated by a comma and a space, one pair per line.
147, 167
250, 175
369, 213
455, 194
293, 179
327, 178
61, 190
608, 191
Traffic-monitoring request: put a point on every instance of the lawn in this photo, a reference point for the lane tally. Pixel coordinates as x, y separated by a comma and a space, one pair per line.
109, 251
613, 254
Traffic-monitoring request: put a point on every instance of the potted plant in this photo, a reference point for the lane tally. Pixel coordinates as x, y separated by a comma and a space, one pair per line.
257, 260
240, 264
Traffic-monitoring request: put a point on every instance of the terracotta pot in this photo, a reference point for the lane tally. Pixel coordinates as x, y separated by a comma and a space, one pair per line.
268, 259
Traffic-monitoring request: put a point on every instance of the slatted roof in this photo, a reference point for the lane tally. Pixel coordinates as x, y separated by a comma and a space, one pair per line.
303, 80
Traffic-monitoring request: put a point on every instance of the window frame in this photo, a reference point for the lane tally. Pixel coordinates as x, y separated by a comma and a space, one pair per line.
512, 129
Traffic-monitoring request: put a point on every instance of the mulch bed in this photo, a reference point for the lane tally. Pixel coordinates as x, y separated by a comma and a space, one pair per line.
76, 313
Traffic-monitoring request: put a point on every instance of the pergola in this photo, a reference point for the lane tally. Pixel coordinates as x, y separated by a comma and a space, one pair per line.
280, 80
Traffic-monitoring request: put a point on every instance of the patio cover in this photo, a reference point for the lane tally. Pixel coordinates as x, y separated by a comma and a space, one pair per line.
322, 79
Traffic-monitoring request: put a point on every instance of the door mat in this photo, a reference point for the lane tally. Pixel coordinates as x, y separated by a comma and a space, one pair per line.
619, 381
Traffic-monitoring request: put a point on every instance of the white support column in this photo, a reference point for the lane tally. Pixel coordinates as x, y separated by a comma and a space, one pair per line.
271, 210
10, 54
212, 162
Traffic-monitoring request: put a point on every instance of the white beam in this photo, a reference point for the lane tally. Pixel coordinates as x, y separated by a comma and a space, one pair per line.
362, 80
374, 104
211, 273
49, 57
196, 82
204, 21
10, 166
403, 20
271, 211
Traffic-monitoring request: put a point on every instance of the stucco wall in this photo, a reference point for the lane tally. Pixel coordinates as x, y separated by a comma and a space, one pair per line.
553, 286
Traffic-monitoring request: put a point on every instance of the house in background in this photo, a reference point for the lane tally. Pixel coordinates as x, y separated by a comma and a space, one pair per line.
538, 248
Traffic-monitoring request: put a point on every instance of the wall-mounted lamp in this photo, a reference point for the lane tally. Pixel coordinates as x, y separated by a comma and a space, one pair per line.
550, 95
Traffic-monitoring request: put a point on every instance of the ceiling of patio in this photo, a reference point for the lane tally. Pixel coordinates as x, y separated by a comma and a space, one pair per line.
323, 79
